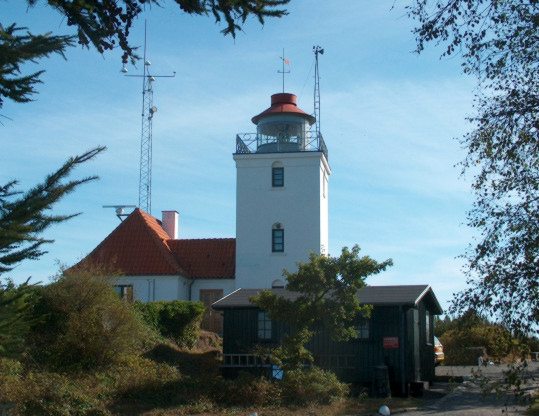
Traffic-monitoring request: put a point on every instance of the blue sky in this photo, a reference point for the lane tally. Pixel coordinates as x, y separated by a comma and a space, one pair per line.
390, 119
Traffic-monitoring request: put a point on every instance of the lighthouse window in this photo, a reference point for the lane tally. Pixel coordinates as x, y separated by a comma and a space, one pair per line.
277, 177
277, 240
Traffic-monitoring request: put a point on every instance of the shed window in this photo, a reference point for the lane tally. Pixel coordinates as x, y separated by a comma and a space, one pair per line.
364, 329
264, 325
125, 292
277, 240
277, 177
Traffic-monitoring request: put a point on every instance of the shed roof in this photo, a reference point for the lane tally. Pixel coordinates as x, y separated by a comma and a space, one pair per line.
405, 295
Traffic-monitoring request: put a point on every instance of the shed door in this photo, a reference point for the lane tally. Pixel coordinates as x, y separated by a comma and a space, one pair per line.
212, 320
417, 368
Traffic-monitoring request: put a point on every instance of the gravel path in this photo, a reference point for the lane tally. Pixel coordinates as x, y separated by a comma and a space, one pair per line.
467, 399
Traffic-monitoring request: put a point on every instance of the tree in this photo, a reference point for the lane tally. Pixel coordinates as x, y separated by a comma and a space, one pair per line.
16, 316
327, 289
105, 25
24, 217
498, 42
86, 324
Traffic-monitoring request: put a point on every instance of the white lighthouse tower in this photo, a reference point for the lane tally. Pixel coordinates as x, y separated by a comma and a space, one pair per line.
281, 194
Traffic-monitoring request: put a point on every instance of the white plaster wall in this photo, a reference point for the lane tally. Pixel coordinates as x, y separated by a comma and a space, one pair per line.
228, 286
299, 206
156, 288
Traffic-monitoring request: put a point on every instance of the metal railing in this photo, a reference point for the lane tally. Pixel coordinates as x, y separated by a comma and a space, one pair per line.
245, 360
260, 143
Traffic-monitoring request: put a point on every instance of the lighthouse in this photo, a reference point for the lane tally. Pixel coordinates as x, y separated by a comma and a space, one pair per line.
282, 174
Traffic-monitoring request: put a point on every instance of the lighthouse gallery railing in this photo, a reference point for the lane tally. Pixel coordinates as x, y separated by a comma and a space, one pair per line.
259, 143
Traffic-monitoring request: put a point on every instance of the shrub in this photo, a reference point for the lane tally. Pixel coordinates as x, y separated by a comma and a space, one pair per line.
87, 325
248, 390
462, 346
178, 320
50, 394
313, 385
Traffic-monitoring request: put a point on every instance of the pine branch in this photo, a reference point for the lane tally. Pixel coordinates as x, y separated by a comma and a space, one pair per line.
23, 217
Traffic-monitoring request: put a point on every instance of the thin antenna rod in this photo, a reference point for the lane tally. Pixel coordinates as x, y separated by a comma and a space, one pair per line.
317, 51
148, 111
287, 62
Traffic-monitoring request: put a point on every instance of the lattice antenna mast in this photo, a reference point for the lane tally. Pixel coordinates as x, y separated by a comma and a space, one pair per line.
317, 51
148, 111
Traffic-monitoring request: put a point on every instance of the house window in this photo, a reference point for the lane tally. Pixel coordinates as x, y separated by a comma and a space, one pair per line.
277, 240
427, 327
277, 177
364, 329
264, 325
125, 292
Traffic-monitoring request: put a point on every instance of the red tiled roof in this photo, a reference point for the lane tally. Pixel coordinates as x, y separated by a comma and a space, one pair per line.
139, 246
206, 258
283, 103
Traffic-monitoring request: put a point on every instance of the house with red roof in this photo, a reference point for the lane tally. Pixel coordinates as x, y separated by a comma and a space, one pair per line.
157, 265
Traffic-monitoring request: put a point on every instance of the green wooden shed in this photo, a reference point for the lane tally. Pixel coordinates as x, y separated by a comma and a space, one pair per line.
398, 335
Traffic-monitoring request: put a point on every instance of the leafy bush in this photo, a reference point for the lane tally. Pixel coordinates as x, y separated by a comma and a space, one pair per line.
461, 344
313, 385
178, 320
248, 390
51, 394
86, 325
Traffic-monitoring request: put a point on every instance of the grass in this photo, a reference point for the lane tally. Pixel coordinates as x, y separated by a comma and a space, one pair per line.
358, 407
534, 408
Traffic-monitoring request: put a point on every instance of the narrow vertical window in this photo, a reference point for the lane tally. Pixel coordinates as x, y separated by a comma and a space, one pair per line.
277, 240
277, 177
427, 326
363, 329
264, 325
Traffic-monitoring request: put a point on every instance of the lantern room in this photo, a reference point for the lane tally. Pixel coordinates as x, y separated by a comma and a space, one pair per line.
281, 128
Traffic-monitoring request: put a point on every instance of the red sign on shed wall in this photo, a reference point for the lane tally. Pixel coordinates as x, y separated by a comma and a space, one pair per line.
391, 343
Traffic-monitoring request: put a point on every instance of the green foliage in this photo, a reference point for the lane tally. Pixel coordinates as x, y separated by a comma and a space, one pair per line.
106, 26
459, 343
16, 318
327, 298
178, 320
52, 394
467, 320
312, 385
23, 218
86, 325
249, 390
498, 43
15, 50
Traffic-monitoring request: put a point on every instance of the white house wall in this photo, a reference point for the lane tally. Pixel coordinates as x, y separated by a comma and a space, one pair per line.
227, 285
300, 207
156, 288
166, 288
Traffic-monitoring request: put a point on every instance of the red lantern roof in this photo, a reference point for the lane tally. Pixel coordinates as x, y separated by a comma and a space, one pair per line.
283, 103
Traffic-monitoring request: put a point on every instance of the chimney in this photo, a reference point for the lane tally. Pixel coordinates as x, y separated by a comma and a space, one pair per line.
170, 223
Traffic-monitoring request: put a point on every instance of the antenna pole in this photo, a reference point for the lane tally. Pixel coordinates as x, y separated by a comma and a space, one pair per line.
284, 61
148, 111
317, 51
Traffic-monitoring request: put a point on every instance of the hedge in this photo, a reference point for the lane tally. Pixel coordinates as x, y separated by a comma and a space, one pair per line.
178, 320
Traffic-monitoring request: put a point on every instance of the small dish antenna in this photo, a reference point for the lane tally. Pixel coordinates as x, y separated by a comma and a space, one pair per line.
121, 210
